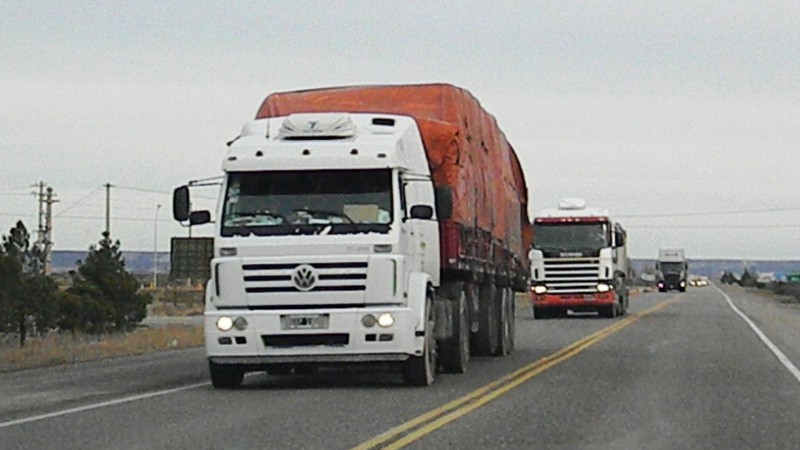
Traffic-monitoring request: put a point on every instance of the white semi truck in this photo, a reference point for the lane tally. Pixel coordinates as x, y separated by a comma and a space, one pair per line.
376, 225
579, 262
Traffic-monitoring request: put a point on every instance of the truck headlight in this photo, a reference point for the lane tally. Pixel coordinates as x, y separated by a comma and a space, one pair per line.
539, 289
603, 287
385, 320
224, 323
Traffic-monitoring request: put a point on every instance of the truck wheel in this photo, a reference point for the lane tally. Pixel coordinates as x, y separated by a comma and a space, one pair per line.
454, 354
224, 376
609, 311
486, 339
420, 370
506, 337
623, 304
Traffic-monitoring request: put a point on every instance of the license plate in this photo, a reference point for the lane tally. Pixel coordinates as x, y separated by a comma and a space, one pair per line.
588, 297
304, 321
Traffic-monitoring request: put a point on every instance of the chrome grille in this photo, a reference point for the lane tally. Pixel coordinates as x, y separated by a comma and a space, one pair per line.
571, 275
297, 277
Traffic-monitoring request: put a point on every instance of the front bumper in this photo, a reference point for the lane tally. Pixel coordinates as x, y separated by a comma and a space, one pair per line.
573, 301
345, 339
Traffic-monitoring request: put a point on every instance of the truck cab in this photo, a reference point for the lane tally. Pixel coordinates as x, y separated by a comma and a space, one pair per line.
579, 262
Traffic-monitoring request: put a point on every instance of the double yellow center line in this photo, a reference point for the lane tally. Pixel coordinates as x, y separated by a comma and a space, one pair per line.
431, 421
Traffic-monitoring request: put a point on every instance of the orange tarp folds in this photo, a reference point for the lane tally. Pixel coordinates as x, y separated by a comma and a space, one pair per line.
466, 149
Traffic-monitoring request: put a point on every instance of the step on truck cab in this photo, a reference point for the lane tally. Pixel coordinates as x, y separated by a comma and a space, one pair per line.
579, 262
383, 226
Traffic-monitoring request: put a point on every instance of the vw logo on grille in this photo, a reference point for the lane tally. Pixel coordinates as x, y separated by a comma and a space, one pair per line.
304, 277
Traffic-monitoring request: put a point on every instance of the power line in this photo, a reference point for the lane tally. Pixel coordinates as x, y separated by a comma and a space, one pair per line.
149, 191
712, 226
708, 213
81, 200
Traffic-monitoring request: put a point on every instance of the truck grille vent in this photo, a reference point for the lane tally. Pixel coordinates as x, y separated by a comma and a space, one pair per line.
305, 277
571, 275
306, 340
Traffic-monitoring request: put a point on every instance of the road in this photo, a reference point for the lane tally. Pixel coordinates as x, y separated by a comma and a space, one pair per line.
683, 370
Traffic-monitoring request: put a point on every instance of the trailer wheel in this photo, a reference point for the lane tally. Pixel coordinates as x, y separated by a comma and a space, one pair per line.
225, 376
487, 337
420, 370
454, 354
507, 325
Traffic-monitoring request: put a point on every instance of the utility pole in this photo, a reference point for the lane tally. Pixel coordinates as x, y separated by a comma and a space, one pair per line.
40, 232
48, 232
155, 248
108, 210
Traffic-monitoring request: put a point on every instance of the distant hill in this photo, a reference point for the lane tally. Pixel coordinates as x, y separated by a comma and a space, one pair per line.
135, 262
714, 267
142, 263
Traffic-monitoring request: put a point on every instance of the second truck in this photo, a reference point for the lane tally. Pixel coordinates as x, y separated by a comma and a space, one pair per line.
383, 226
579, 262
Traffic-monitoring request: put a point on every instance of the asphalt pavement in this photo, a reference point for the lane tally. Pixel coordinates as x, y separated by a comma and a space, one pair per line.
682, 370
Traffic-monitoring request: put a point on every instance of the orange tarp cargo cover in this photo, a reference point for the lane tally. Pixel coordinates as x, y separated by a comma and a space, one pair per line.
466, 149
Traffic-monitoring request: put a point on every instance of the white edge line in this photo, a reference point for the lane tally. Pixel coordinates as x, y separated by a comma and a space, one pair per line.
99, 405
773, 348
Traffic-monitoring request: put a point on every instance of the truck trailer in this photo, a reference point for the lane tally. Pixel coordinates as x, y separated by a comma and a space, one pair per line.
383, 226
671, 270
579, 262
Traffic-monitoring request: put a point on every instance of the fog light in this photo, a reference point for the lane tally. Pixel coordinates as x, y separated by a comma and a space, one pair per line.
385, 320
369, 321
224, 323
540, 289
602, 287
240, 323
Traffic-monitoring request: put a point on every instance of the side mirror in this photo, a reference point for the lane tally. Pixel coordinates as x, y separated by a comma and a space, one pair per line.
424, 212
180, 203
619, 239
199, 218
444, 202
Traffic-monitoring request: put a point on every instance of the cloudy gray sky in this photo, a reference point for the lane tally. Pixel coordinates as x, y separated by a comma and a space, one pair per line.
682, 118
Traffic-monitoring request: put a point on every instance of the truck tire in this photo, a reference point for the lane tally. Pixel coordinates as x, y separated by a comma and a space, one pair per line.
420, 370
486, 339
505, 341
454, 351
224, 376
609, 311
623, 304
541, 313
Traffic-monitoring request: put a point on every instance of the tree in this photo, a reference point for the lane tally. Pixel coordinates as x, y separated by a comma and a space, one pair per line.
102, 277
28, 298
728, 278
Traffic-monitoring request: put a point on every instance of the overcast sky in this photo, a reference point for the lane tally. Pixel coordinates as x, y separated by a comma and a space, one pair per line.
682, 118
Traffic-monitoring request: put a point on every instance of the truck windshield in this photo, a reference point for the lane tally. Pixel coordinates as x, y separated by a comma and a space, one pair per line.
671, 267
307, 202
571, 237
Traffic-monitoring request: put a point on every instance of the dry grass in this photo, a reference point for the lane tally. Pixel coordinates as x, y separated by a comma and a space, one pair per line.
59, 349
177, 301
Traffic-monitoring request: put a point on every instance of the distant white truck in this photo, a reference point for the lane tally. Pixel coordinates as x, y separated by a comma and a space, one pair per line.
671, 270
